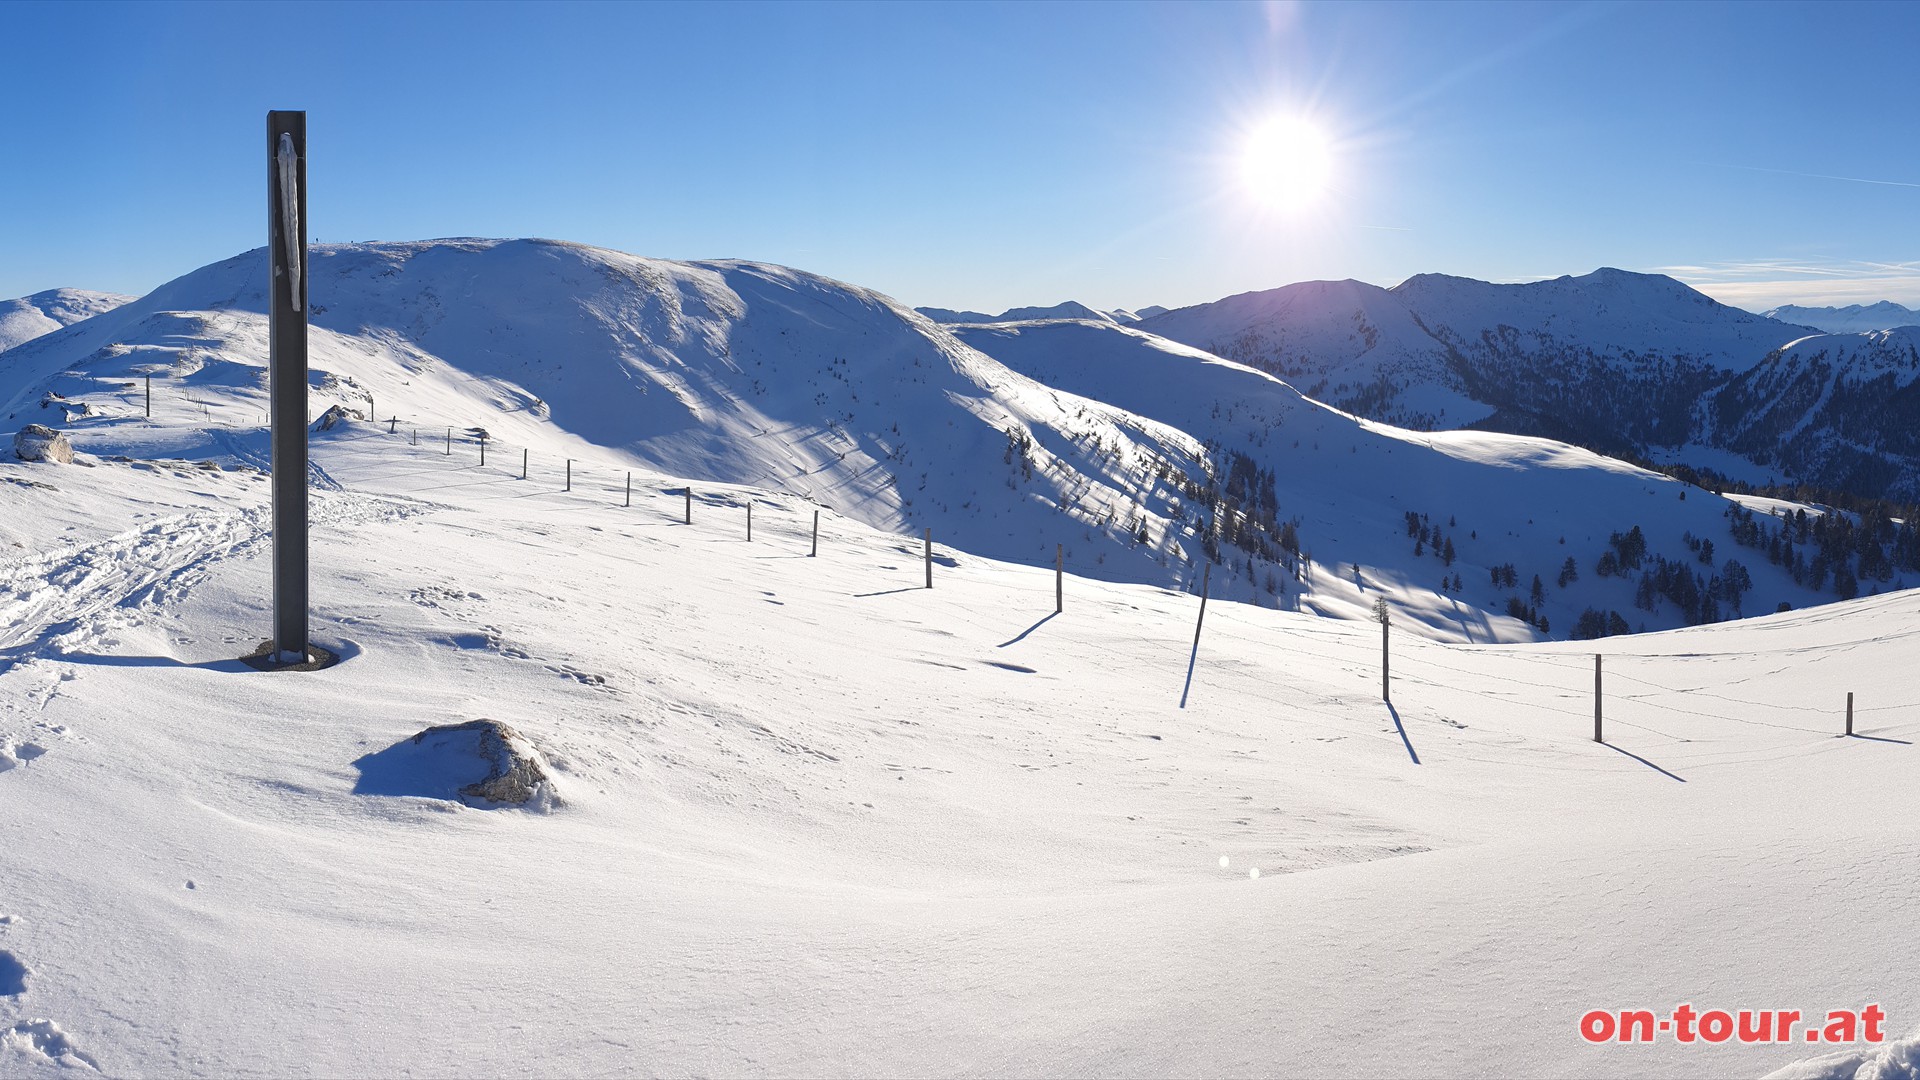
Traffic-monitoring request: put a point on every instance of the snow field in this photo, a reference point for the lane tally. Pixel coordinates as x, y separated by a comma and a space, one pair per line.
819, 819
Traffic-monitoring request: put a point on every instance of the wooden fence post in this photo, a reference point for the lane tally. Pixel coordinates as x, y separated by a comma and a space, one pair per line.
1206, 581
1059, 578
483, 449
816, 536
689, 491
629, 501
1386, 662
569, 474
749, 520
1596, 698
1849, 712
393, 424
449, 442
523, 463
929, 551
149, 396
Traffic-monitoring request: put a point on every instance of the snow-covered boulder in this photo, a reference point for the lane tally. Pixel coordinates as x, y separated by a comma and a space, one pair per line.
37, 442
483, 763
338, 414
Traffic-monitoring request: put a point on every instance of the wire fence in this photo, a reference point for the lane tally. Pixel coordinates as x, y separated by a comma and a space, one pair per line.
583, 477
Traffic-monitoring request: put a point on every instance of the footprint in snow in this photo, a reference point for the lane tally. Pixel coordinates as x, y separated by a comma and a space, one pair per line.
13, 755
43, 1040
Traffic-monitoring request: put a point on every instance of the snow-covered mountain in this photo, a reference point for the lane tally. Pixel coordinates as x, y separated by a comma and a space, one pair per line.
728, 371
1611, 360
29, 317
1145, 458
1842, 407
1623, 363
1852, 319
1350, 344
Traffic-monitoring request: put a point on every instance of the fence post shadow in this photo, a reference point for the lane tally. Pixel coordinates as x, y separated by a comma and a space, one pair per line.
1402, 729
1643, 761
1021, 636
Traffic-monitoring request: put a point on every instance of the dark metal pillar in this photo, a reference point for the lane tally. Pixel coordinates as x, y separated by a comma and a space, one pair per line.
287, 328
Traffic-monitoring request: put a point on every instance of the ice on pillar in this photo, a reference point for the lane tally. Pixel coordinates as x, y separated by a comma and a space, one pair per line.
289, 163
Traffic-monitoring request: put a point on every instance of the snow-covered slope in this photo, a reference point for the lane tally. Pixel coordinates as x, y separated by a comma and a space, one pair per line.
1852, 319
817, 819
29, 317
1844, 408
729, 372
1490, 500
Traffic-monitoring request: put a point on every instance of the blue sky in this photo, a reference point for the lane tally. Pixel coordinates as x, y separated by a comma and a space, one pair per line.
987, 155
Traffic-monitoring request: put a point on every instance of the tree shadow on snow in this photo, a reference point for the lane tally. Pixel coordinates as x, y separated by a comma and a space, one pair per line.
1877, 738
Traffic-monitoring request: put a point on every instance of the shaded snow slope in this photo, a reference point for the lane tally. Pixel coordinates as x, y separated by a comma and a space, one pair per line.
30, 317
818, 819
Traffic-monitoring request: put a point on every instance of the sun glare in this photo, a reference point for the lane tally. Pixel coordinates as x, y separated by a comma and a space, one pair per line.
1286, 164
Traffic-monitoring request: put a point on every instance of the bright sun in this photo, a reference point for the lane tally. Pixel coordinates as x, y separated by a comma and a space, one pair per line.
1286, 164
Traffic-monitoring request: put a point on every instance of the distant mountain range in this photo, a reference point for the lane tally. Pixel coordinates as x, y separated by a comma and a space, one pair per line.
1628, 364
1853, 319
1072, 309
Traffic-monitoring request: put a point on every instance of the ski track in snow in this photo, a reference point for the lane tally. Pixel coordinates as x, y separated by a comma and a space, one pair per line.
61, 601
66, 601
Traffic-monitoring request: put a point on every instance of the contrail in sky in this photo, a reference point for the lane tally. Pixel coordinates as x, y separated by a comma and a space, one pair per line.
1811, 176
